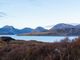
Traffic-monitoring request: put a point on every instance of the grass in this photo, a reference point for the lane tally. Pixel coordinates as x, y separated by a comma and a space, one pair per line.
34, 50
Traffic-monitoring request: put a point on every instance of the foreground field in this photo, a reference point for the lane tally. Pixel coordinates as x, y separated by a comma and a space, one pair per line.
11, 49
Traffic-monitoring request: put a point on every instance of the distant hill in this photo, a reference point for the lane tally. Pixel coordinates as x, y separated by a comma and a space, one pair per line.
57, 30
26, 30
66, 29
39, 29
62, 26
10, 30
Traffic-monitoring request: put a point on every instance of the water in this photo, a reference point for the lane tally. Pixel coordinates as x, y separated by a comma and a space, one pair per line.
41, 38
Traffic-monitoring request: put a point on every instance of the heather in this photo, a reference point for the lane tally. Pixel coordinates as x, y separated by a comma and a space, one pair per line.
11, 49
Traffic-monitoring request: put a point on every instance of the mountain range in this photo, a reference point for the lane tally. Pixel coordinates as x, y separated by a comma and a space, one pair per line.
59, 29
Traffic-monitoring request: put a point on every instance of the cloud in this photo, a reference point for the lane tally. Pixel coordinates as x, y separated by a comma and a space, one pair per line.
2, 14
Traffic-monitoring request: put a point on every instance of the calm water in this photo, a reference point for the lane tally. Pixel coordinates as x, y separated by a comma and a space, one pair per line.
40, 38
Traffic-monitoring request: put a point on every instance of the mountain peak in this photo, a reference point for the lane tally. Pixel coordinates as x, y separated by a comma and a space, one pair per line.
7, 26
62, 25
39, 29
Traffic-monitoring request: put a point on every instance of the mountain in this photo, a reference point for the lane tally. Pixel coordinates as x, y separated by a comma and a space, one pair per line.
57, 30
10, 30
39, 29
77, 26
66, 29
26, 30
62, 26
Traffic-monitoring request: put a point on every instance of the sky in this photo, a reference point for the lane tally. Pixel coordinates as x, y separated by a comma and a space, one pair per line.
33, 13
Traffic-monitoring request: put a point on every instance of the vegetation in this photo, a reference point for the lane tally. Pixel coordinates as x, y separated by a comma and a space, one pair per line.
34, 50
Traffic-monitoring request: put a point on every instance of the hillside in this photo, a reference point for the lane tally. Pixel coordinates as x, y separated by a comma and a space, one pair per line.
36, 50
57, 30
10, 30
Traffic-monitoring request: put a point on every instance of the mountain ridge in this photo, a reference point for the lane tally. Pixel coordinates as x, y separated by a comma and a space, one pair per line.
59, 29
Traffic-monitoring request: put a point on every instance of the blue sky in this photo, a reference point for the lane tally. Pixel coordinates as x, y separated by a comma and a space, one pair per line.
33, 13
